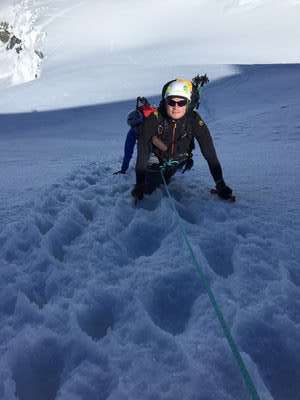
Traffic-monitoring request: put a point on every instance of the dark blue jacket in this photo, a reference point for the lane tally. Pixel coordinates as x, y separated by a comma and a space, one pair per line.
129, 148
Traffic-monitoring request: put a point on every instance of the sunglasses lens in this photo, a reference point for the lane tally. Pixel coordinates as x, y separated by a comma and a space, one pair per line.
180, 103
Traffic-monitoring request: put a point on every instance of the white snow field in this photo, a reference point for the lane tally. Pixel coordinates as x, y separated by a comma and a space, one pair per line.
123, 38
99, 299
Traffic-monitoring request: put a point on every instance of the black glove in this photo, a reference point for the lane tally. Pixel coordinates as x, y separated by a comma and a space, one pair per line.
224, 191
138, 191
119, 172
188, 165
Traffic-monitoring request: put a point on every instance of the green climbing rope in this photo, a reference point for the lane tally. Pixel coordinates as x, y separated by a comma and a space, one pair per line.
226, 330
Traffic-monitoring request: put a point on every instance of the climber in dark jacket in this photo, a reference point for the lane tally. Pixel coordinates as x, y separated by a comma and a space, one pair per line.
176, 126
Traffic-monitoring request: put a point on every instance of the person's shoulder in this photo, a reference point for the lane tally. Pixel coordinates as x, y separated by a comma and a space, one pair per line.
149, 126
153, 118
196, 119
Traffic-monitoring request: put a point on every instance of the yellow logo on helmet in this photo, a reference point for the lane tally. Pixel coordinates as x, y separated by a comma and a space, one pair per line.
188, 86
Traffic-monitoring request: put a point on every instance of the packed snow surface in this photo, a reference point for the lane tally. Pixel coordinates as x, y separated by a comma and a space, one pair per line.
100, 300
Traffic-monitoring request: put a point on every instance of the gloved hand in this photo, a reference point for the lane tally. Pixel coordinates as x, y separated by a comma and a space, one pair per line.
224, 191
138, 191
188, 165
119, 172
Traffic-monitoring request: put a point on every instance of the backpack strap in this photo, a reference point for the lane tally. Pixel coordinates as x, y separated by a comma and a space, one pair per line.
188, 131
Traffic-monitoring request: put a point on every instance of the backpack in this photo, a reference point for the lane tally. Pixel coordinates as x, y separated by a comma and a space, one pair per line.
143, 110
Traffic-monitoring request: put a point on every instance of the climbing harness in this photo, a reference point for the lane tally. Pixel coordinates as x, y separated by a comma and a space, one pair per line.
166, 164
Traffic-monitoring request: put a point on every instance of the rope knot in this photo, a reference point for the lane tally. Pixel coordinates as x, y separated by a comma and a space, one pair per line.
169, 163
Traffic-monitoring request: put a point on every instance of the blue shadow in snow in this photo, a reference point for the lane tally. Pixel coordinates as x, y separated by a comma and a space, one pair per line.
90, 122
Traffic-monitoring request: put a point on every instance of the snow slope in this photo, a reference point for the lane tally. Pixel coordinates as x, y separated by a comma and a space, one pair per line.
99, 299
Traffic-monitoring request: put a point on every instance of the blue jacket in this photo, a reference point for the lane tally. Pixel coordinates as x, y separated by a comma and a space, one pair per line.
129, 148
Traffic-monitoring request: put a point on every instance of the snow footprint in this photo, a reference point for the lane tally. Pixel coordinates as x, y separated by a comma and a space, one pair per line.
143, 239
90, 180
169, 300
63, 233
218, 248
99, 315
89, 380
69, 226
274, 347
37, 368
142, 231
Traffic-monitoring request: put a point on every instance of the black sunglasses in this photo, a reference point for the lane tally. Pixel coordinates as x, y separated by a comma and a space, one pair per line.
180, 103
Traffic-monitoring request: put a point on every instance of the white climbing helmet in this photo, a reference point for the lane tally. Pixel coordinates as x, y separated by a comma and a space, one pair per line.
180, 88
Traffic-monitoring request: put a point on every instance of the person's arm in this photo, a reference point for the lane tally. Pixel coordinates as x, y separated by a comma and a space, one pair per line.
203, 136
129, 148
144, 145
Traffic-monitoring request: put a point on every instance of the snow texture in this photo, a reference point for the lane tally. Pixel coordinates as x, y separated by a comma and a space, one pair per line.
99, 299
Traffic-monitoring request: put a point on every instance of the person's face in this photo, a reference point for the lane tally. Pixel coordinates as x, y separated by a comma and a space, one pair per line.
176, 107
